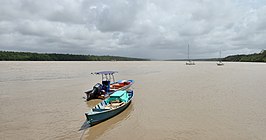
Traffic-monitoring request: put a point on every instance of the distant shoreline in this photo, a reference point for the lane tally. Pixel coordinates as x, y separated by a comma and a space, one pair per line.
29, 56
256, 57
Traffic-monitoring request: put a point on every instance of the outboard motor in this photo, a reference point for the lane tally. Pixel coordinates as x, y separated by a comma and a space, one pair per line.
95, 92
106, 86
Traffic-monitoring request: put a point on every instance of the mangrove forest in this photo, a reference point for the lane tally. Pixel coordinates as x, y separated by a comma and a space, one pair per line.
29, 56
256, 57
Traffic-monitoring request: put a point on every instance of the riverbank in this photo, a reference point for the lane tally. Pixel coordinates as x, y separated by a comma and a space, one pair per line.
29, 56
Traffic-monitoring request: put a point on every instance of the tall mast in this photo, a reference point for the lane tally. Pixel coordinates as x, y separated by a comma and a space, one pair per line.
188, 51
220, 55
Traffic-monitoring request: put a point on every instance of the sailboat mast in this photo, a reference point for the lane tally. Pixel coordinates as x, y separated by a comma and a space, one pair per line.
188, 51
220, 56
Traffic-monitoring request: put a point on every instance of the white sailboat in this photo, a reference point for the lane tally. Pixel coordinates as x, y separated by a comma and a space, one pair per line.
220, 63
189, 62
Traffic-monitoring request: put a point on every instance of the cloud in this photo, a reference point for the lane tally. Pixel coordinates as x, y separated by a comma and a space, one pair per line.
112, 16
142, 28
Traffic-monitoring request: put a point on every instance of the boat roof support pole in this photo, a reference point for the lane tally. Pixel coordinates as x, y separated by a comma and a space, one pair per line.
113, 78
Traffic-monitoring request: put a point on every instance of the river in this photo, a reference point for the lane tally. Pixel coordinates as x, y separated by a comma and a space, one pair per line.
43, 100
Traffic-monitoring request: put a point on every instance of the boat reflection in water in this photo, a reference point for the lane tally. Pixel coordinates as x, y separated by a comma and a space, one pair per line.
99, 129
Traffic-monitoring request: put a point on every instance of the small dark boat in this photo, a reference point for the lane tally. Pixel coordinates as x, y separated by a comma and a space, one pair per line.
116, 103
108, 86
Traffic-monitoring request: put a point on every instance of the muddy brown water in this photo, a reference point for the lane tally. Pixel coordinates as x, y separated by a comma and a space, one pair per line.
43, 100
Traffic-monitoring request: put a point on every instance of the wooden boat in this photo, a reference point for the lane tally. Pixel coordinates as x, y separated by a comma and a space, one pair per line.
108, 86
116, 103
189, 62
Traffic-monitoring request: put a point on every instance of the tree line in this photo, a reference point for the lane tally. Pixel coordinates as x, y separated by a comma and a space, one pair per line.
256, 57
28, 56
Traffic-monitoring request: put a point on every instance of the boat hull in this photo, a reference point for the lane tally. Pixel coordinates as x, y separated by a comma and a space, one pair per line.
190, 63
131, 82
95, 117
220, 64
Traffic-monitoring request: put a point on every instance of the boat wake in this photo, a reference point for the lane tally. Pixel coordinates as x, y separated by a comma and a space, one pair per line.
85, 126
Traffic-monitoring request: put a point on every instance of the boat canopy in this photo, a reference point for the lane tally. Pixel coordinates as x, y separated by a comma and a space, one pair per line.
105, 72
119, 95
106, 76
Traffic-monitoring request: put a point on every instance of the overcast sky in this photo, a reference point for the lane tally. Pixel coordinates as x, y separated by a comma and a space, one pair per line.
160, 29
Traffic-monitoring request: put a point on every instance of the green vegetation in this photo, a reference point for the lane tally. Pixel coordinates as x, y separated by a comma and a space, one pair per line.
27, 56
256, 57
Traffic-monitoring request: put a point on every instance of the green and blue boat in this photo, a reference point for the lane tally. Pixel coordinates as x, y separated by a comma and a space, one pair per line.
111, 106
